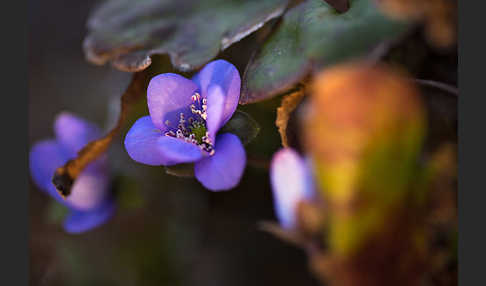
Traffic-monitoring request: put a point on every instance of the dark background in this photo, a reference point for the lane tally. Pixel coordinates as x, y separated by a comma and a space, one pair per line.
471, 145
167, 230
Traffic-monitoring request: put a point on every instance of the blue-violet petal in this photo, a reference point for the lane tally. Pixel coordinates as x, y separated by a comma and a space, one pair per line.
226, 76
148, 145
169, 95
291, 182
224, 169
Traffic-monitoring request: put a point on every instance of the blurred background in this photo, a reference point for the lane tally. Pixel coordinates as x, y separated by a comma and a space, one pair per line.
170, 230
167, 230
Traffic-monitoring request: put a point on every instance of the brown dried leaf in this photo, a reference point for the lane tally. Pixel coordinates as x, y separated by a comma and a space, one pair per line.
289, 103
65, 176
364, 129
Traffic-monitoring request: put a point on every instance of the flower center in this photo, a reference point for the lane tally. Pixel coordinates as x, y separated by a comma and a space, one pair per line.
194, 130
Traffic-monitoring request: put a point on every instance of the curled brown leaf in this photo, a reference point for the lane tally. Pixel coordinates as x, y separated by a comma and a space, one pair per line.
65, 176
289, 104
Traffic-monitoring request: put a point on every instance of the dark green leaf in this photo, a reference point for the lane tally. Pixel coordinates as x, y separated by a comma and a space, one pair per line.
441, 117
243, 126
128, 32
339, 5
181, 170
311, 36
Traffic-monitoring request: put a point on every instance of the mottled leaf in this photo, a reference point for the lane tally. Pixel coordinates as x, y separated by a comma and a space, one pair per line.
243, 126
128, 32
364, 129
313, 35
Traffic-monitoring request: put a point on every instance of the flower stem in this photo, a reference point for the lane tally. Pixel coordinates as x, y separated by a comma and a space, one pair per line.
440, 85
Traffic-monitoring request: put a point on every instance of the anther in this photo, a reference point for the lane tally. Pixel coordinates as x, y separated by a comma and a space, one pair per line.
170, 133
189, 130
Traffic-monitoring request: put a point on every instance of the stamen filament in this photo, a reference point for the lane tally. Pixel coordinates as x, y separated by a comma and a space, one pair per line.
194, 130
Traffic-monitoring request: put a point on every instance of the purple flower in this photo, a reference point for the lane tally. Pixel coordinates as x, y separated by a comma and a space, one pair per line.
292, 182
185, 116
90, 202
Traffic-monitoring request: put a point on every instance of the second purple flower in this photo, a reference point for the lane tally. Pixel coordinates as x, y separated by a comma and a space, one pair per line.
185, 117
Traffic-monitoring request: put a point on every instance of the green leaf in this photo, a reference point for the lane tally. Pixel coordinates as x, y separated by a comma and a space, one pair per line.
243, 126
128, 32
340, 5
313, 35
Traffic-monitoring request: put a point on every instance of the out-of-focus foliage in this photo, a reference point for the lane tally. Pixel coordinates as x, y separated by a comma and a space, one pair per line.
168, 230
243, 126
128, 193
339, 5
65, 175
180, 170
192, 32
313, 35
364, 129
56, 213
439, 17
363, 124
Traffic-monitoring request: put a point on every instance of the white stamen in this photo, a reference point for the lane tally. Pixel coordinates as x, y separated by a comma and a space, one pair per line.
184, 128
